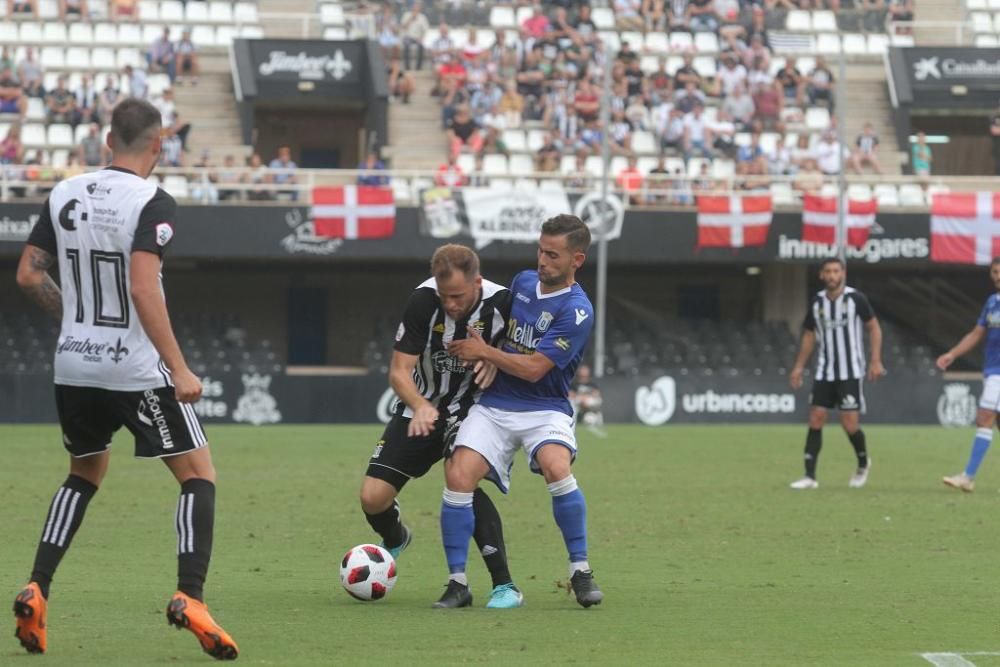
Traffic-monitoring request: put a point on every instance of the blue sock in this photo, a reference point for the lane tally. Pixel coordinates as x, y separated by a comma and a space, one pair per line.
458, 521
980, 446
570, 510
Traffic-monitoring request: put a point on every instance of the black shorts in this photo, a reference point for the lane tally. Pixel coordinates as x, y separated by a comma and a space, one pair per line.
399, 458
162, 426
843, 395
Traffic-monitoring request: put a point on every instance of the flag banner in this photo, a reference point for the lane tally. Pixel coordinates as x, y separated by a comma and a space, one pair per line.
354, 212
965, 227
819, 220
733, 221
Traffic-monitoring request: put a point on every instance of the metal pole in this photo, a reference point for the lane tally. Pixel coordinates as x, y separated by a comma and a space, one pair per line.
600, 323
841, 100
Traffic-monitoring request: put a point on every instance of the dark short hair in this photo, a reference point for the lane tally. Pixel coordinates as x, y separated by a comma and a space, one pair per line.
134, 121
832, 260
573, 228
454, 257
996, 260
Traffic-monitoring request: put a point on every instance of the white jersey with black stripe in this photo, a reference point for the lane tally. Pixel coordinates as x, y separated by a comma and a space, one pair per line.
93, 223
838, 326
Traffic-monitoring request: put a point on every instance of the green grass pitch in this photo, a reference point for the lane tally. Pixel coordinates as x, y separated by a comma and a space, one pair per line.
705, 556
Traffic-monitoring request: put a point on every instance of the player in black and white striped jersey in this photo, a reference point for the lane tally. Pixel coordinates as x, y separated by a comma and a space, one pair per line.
436, 391
834, 325
118, 363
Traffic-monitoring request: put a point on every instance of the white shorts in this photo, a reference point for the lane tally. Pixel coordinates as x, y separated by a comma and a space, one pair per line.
990, 400
498, 434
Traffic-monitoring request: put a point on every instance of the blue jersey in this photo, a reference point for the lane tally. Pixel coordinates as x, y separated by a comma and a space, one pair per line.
556, 325
990, 318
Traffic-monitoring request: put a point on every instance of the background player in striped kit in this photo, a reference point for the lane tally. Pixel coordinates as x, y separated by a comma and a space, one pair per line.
436, 391
988, 327
833, 326
118, 364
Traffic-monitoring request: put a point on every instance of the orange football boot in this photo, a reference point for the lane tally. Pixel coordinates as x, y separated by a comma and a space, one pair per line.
30, 607
186, 612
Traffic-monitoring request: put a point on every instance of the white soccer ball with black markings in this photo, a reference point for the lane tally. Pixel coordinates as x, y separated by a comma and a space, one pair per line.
368, 572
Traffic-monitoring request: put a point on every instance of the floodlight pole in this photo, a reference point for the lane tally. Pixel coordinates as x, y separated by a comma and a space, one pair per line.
841, 101
600, 317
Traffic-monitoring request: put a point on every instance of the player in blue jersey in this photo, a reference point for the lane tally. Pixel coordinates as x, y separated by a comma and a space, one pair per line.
527, 407
988, 327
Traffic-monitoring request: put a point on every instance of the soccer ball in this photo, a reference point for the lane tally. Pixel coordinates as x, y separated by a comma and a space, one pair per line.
368, 572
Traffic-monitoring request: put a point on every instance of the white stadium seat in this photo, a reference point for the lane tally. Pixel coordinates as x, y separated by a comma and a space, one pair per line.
515, 140
635, 40
603, 17
706, 42
30, 33
704, 65
54, 33
332, 33
36, 109
171, 11
855, 44
8, 32
657, 42
646, 164
48, 10
81, 33
986, 41
495, 165
195, 12
60, 134
149, 10
723, 168
102, 58
824, 21
130, 34
649, 64
644, 142
567, 165
251, 32
828, 44
817, 118
33, 134
331, 14
80, 132
798, 20
911, 194
131, 57
176, 186
859, 192
877, 44
525, 185
681, 41
203, 35
781, 193
225, 34
466, 163
220, 12
610, 39
501, 185
981, 22
151, 32
245, 12
521, 165
502, 17
52, 57
106, 33
523, 14
886, 194
60, 158
973, 5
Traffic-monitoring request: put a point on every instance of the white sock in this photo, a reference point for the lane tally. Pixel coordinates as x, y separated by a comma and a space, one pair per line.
581, 566
459, 577
563, 486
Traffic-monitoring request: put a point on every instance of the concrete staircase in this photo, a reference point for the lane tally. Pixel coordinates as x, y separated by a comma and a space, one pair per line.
210, 107
416, 140
940, 10
868, 100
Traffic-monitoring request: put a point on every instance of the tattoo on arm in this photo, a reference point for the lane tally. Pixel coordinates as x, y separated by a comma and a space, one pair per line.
48, 295
40, 259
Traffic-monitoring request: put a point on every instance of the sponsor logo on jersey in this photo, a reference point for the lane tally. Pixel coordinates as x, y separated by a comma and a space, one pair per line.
151, 414
993, 319
69, 215
445, 363
834, 323
562, 344
164, 232
438, 328
957, 405
400, 332
544, 321
521, 297
88, 350
581, 315
96, 190
118, 352
522, 336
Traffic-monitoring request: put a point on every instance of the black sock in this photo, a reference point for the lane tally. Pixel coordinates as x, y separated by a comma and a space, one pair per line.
195, 525
858, 442
489, 537
388, 525
814, 442
64, 518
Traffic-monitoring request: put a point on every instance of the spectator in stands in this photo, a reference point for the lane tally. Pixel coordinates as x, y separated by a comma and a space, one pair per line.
414, 26
921, 156
591, 137
12, 98
579, 179
443, 46
702, 17
827, 154
492, 139
536, 25
11, 148
29, 73
228, 175
802, 152
900, 11
758, 26
752, 156
450, 75
779, 160
637, 113
628, 15
791, 82
283, 169
686, 74
730, 75
865, 147
203, 181
809, 178
548, 157
586, 102
455, 96
511, 105
401, 83
728, 13
478, 178
259, 177
137, 82
697, 135
86, 100
61, 104
463, 133
107, 101
162, 56
6, 59
73, 167
172, 123
372, 170
759, 74
654, 14
703, 183
820, 86
757, 51
171, 151
660, 85
93, 151
995, 138
127, 10
187, 58
449, 174
689, 97
740, 107
672, 137
873, 14
22, 8
723, 133
484, 105
630, 182
586, 29
768, 103
620, 132
72, 9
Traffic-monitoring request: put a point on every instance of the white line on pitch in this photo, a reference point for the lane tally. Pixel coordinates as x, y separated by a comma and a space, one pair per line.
947, 660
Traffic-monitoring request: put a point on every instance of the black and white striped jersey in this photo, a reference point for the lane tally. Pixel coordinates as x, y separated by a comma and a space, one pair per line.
92, 223
425, 331
840, 341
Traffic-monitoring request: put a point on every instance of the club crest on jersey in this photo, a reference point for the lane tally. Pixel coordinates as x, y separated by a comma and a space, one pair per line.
478, 326
993, 319
119, 352
164, 232
543, 321
438, 328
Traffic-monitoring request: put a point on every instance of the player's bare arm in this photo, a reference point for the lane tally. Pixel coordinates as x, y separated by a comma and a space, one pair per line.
147, 296
34, 279
530, 367
806, 346
875, 367
968, 342
401, 380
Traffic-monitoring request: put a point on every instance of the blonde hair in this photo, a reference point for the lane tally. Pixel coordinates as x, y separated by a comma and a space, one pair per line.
453, 257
